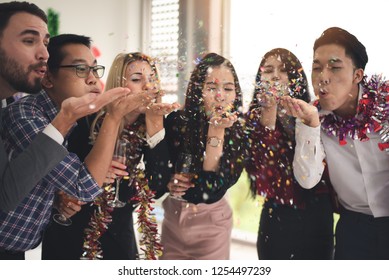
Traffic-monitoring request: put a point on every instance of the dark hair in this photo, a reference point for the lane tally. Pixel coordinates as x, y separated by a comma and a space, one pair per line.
7, 10
298, 82
298, 88
194, 93
56, 53
195, 120
353, 47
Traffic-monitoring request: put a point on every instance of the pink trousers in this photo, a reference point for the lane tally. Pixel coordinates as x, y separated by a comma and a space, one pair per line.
196, 232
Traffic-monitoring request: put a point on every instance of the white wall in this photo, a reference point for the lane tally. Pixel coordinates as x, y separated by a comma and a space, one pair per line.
114, 26
258, 26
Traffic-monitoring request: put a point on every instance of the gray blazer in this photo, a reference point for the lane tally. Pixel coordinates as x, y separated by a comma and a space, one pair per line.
19, 176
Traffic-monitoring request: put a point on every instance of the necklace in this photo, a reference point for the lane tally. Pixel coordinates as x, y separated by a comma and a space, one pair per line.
372, 115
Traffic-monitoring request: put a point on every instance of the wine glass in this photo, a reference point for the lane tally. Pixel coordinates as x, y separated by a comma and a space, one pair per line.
120, 156
61, 218
184, 166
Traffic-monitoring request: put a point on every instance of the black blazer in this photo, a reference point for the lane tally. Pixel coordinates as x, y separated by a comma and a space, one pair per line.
19, 176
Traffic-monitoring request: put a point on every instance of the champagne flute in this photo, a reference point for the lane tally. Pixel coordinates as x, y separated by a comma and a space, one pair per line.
120, 156
184, 166
61, 218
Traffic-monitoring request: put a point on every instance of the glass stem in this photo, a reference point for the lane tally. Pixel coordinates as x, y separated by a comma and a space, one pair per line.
117, 188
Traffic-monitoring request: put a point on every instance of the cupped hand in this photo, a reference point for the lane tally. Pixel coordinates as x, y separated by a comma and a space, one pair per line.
224, 120
267, 100
161, 109
300, 109
75, 108
136, 101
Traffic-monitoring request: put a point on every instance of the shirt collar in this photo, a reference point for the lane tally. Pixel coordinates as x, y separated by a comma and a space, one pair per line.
52, 109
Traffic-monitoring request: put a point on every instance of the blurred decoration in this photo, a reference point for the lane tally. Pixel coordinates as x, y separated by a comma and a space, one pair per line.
53, 22
96, 52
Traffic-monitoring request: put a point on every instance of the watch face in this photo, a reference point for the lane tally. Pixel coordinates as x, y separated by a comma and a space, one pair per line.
214, 142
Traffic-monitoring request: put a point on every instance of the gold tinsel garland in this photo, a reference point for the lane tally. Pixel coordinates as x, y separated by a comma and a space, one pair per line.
147, 225
98, 225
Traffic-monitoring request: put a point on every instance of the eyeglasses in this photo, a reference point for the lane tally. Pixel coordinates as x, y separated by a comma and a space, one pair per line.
83, 70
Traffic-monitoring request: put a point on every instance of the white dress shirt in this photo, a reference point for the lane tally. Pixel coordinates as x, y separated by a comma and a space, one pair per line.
53, 133
359, 171
155, 139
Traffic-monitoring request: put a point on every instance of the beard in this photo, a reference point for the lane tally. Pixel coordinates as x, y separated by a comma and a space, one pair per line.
12, 72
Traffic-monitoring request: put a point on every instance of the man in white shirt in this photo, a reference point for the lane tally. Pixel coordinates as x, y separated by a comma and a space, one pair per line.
352, 112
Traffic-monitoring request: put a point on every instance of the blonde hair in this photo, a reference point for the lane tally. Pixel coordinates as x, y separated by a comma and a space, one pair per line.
116, 78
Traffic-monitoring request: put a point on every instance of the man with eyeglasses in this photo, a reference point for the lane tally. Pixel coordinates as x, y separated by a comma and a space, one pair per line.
72, 73
23, 57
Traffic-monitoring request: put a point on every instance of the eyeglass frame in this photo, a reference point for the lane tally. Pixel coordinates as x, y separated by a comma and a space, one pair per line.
94, 69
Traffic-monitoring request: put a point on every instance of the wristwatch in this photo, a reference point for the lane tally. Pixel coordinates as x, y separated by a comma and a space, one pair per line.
213, 141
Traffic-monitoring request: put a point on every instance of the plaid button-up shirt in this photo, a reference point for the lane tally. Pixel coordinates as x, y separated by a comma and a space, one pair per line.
21, 229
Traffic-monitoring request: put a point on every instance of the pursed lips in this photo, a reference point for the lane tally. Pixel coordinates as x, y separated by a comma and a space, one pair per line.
219, 108
96, 90
40, 70
323, 92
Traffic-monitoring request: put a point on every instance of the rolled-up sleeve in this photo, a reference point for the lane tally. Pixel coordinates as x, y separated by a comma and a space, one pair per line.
309, 154
72, 176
